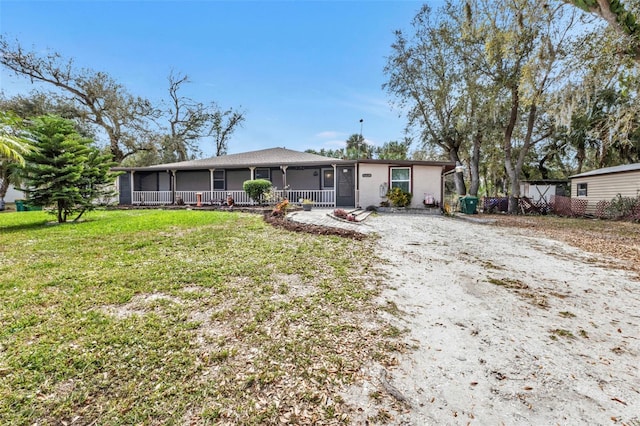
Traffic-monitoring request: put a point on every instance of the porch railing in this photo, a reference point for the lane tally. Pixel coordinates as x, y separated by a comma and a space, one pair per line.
152, 198
320, 198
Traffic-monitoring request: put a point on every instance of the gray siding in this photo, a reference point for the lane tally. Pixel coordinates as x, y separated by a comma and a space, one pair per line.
164, 181
146, 181
276, 178
303, 179
235, 179
193, 180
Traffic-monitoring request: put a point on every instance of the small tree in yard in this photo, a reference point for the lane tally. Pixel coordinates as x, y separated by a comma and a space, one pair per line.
64, 170
256, 188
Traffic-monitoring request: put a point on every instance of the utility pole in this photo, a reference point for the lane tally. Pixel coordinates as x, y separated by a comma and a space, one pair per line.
360, 140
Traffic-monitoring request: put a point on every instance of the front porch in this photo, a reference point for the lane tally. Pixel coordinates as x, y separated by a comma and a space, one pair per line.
320, 198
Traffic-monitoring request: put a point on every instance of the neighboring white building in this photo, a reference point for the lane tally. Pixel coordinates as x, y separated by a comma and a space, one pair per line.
542, 191
13, 194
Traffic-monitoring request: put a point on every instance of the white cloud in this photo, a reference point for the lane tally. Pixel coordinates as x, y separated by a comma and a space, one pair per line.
329, 134
335, 143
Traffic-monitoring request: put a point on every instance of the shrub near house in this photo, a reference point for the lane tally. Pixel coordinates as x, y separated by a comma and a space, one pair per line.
256, 189
399, 198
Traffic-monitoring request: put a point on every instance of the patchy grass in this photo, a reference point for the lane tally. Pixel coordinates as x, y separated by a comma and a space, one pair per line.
562, 333
510, 283
180, 317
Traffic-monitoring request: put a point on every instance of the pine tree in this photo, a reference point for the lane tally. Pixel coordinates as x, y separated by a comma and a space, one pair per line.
64, 171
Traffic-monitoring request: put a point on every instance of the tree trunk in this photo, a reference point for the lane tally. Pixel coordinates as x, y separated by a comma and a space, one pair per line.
474, 166
61, 217
461, 188
4, 187
508, 164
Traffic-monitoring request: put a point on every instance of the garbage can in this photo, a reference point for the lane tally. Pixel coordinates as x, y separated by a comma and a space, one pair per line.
468, 204
20, 206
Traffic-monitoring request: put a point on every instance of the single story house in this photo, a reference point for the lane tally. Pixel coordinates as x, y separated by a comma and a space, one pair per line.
605, 184
328, 182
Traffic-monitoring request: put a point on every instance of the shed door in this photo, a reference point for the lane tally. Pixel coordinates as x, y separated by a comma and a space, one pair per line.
346, 189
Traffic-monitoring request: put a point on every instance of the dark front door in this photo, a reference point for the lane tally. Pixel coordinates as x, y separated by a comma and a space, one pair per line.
346, 189
125, 188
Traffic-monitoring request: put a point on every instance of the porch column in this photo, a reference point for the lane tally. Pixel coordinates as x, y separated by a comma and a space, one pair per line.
284, 177
335, 185
173, 186
211, 184
357, 184
132, 181
253, 172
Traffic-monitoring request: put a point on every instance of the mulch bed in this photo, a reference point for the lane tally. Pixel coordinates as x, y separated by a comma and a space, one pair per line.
290, 225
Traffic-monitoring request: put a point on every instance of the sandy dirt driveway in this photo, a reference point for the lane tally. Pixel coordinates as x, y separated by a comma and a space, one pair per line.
507, 328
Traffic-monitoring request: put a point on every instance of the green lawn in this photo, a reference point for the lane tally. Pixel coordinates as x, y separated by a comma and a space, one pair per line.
180, 317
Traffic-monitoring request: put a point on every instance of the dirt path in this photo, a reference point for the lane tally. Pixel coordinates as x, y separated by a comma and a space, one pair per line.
508, 329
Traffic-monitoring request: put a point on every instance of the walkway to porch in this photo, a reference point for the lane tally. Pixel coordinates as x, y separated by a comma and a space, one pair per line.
323, 217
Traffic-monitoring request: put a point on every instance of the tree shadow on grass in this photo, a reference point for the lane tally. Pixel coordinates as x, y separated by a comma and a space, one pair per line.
8, 229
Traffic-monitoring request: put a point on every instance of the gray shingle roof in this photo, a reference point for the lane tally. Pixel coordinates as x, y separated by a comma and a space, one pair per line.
609, 170
271, 157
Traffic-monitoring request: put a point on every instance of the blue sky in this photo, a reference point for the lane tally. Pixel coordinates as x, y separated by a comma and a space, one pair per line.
304, 72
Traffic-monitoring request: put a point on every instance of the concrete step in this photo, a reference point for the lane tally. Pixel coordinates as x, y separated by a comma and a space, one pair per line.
360, 214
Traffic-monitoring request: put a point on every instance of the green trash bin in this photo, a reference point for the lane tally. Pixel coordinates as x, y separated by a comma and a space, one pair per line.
468, 204
20, 206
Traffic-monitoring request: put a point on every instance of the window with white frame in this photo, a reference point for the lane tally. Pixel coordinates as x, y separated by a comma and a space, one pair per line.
218, 180
327, 178
263, 174
401, 178
581, 190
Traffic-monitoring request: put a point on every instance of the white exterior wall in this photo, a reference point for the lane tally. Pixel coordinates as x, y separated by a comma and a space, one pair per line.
537, 192
424, 180
370, 186
607, 187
